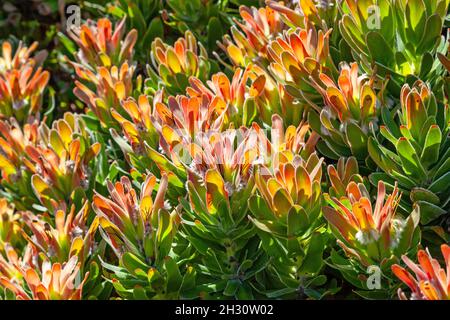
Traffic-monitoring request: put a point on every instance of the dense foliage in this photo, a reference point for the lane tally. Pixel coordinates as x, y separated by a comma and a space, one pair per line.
224, 149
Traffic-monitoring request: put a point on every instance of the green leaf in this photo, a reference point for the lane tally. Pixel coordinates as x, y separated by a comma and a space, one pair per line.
403, 180
381, 176
174, 279
389, 121
232, 287
245, 292
377, 155
379, 50
188, 279
261, 226
431, 120
297, 221
430, 153
441, 185
245, 265
165, 231
201, 245
313, 259
388, 135
280, 293
415, 18
155, 279
250, 112
271, 245
324, 150
114, 170
259, 208
131, 262
155, 30
347, 270
410, 160
442, 169
139, 293
68, 44
9, 295
429, 212
421, 194
431, 34
407, 233
352, 34
215, 32
136, 17
357, 140
426, 65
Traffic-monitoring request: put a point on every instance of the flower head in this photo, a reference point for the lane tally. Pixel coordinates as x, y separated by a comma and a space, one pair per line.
430, 281
370, 234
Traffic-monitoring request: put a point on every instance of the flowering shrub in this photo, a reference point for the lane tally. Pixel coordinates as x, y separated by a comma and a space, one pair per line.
227, 150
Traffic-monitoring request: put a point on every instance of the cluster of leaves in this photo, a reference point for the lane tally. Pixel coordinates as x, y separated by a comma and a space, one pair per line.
216, 149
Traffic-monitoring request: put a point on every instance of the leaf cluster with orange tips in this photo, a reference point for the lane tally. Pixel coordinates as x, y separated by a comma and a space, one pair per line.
259, 26
109, 89
101, 45
50, 282
174, 65
62, 161
288, 159
371, 234
22, 82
